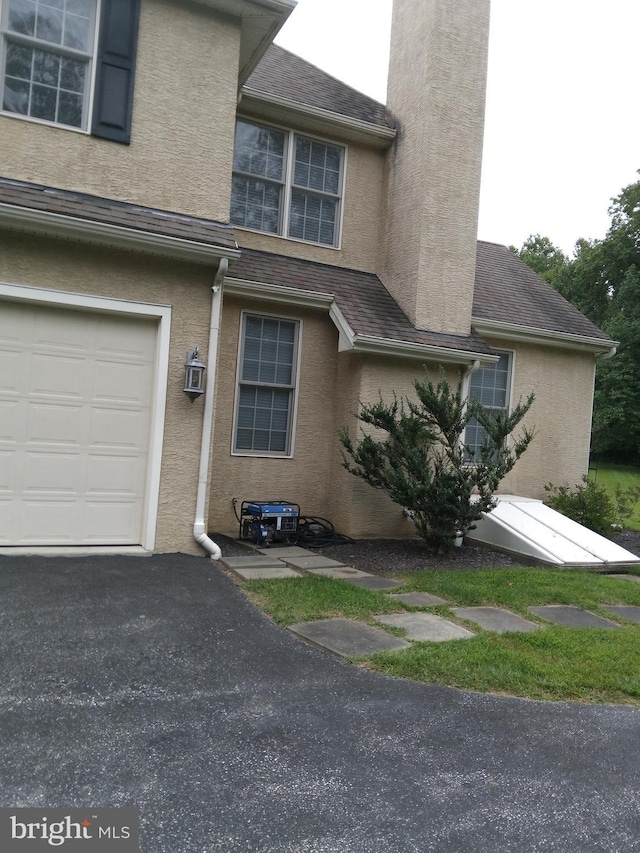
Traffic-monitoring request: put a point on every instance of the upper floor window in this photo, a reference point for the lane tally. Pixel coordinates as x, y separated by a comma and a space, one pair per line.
48, 46
47, 55
489, 385
287, 184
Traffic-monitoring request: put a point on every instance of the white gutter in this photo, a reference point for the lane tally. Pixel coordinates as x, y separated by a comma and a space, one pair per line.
57, 224
531, 335
381, 134
199, 525
603, 356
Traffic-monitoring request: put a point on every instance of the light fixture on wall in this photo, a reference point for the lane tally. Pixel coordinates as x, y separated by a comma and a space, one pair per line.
193, 375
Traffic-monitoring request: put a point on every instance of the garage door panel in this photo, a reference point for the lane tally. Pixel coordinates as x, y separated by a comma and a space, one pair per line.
11, 421
76, 391
10, 370
55, 473
48, 522
55, 424
57, 376
114, 475
116, 383
118, 429
119, 518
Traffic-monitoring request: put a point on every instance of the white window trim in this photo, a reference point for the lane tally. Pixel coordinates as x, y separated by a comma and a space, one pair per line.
89, 93
263, 454
161, 313
287, 184
510, 387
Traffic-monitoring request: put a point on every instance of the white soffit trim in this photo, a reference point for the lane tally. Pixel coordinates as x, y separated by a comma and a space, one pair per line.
374, 345
348, 339
59, 225
531, 335
383, 136
277, 293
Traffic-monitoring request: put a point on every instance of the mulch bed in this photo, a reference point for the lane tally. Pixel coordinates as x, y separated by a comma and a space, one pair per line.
402, 556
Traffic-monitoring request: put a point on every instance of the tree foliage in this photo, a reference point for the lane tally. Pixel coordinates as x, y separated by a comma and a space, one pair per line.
421, 462
603, 281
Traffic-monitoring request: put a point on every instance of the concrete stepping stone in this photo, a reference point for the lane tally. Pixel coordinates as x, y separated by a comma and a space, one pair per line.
347, 638
426, 626
266, 573
571, 616
418, 599
340, 572
496, 619
313, 561
284, 551
627, 611
373, 582
252, 561
632, 578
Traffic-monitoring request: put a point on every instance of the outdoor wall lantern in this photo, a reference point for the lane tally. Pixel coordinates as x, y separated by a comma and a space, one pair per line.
193, 375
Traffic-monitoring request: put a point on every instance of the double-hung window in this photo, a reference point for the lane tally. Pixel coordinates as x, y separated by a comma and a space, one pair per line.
287, 184
53, 53
48, 47
489, 385
265, 396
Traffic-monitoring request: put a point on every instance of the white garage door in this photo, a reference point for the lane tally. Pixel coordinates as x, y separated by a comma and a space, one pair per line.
76, 391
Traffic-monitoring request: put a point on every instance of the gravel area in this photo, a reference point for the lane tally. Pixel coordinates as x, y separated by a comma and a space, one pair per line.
390, 556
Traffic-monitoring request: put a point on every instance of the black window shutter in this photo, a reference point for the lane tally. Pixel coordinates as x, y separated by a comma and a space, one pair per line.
115, 69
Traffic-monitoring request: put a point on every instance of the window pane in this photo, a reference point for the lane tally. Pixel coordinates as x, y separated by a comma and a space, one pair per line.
259, 151
70, 109
46, 68
19, 60
16, 96
489, 385
255, 204
49, 24
22, 17
317, 166
76, 32
43, 103
312, 218
72, 75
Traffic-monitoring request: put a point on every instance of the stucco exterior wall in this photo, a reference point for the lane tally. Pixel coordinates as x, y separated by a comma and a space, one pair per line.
562, 380
361, 214
304, 478
179, 157
80, 268
436, 92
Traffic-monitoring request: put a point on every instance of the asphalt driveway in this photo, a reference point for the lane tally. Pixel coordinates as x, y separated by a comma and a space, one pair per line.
152, 682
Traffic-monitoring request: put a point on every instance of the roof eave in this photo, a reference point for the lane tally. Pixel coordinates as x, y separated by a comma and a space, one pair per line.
532, 335
33, 221
276, 107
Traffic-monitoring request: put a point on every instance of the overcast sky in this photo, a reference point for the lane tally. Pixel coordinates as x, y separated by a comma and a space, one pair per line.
562, 134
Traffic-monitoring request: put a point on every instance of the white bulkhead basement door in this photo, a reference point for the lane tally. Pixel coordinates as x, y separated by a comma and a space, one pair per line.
76, 396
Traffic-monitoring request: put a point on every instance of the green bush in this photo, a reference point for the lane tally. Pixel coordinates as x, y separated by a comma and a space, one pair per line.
590, 504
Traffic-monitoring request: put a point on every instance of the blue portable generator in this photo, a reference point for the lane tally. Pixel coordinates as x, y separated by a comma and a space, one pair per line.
265, 522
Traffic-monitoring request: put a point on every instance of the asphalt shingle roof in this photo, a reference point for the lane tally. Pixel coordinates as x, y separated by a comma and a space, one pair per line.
110, 212
508, 291
288, 76
366, 304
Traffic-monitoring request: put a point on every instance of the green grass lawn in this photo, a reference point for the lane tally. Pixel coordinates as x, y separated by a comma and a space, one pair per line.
625, 476
590, 665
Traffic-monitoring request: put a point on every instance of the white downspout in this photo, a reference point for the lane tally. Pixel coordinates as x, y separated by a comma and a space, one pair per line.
199, 525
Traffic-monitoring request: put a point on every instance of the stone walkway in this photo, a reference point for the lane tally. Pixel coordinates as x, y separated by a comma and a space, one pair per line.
350, 638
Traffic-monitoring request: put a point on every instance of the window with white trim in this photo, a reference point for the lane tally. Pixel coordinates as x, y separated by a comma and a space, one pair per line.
266, 385
490, 385
51, 55
286, 184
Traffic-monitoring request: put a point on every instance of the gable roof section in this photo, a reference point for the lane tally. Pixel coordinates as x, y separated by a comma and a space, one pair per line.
366, 305
33, 207
284, 75
510, 295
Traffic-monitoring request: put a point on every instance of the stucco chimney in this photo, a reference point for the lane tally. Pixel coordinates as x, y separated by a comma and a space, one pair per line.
436, 91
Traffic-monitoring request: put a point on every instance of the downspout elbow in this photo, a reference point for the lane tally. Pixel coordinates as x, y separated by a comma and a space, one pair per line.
603, 356
205, 542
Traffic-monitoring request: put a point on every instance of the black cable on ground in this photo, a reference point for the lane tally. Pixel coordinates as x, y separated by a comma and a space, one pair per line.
316, 532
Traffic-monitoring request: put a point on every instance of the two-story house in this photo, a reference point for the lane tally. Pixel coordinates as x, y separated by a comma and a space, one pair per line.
172, 181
